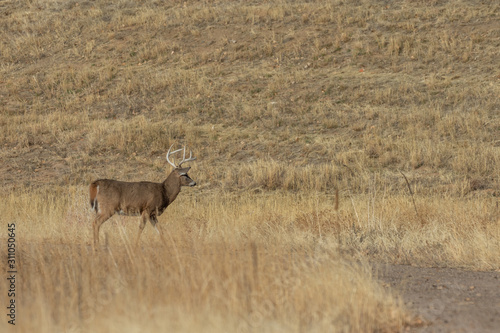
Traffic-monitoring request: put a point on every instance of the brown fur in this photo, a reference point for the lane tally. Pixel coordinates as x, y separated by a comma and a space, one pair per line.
148, 199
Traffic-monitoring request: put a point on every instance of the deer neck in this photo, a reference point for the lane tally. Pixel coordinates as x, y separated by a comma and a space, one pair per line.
172, 187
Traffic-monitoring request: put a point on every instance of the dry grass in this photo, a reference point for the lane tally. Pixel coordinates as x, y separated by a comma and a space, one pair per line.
238, 263
282, 102
247, 261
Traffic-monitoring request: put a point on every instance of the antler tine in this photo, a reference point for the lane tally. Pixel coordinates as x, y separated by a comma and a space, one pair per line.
170, 153
190, 158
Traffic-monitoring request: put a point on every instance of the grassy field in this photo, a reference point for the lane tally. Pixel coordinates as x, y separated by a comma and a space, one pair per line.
284, 103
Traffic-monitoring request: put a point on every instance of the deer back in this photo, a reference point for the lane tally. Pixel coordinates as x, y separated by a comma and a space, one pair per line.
128, 198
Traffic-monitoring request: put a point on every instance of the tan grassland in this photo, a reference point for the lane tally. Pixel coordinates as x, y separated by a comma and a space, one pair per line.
283, 103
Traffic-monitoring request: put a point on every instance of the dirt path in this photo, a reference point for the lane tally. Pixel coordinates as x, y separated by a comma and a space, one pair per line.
447, 300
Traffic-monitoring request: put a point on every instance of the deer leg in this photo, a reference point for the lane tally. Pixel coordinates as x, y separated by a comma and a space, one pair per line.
144, 218
96, 225
154, 221
159, 230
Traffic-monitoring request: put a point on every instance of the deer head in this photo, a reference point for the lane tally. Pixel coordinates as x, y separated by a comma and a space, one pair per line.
180, 172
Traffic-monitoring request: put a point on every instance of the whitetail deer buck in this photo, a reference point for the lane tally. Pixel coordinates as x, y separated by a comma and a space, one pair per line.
147, 199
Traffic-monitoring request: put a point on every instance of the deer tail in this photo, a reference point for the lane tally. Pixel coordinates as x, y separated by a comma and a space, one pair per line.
94, 189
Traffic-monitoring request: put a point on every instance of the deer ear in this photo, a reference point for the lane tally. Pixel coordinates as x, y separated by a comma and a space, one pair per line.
184, 171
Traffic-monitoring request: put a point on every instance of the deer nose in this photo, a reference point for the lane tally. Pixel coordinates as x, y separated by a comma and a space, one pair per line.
193, 183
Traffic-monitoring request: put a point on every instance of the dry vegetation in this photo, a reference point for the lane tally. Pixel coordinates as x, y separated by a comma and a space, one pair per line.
282, 102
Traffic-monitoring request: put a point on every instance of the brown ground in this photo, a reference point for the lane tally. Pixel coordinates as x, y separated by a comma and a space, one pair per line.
447, 300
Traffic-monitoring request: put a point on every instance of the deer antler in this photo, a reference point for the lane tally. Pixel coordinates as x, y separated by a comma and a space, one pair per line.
190, 158
170, 153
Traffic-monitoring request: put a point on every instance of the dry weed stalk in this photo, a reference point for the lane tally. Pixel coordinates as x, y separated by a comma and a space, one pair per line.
412, 198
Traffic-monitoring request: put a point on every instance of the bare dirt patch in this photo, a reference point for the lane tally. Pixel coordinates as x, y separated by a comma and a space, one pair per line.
445, 299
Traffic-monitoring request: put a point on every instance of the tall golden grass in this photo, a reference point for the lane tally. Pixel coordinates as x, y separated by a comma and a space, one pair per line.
232, 263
